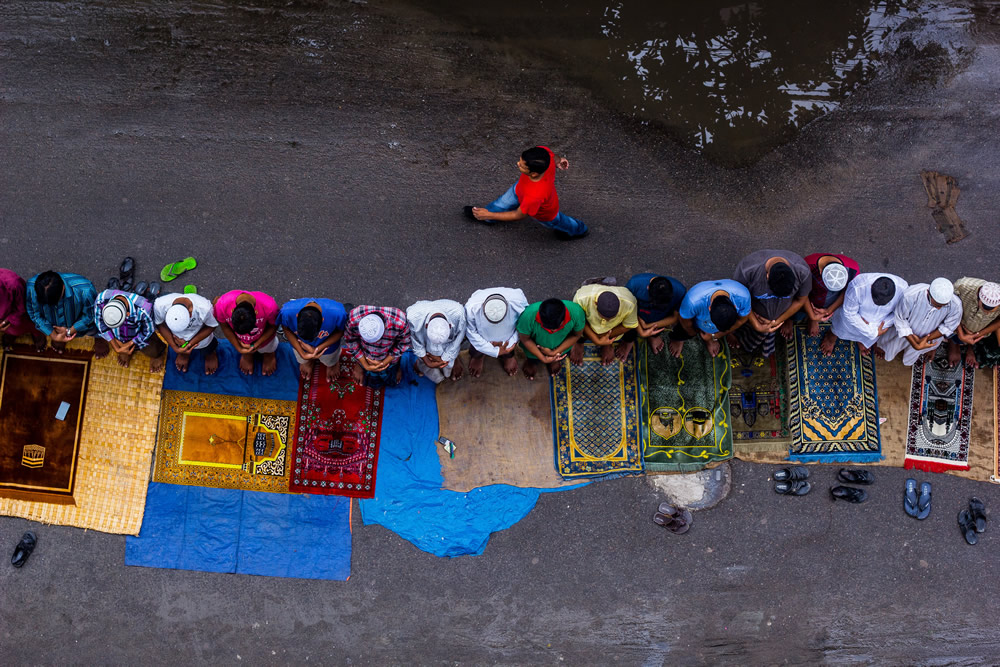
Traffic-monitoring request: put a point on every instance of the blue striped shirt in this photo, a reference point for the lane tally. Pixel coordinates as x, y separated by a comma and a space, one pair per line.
74, 310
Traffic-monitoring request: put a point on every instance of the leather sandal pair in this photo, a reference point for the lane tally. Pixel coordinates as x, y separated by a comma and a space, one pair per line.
972, 521
792, 481
917, 505
849, 493
675, 519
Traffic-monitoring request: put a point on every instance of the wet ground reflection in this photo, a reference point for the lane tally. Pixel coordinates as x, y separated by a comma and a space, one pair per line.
730, 80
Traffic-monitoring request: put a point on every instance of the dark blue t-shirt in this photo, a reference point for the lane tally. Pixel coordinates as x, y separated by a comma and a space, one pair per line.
334, 319
639, 286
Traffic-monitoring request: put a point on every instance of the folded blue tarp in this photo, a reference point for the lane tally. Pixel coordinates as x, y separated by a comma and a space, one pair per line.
409, 499
244, 532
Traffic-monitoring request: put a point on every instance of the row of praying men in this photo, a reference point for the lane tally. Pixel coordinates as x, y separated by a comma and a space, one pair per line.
770, 290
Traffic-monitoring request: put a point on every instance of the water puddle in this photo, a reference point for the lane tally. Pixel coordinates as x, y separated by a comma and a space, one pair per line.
731, 81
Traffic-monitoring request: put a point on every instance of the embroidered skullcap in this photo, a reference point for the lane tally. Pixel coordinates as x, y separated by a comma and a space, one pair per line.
495, 308
371, 327
608, 304
177, 318
942, 290
114, 313
438, 330
989, 294
835, 276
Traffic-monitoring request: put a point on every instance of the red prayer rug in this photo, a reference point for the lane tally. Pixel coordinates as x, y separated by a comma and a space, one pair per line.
336, 448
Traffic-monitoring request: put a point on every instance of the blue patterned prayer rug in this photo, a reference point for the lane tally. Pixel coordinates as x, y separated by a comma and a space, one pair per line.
595, 417
685, 407
833, 403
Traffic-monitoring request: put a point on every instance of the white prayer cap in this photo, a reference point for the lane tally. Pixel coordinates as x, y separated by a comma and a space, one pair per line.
177, 318
495, 308
371, 327
835, 276
942, 290
989, 294
438, 330
114, 313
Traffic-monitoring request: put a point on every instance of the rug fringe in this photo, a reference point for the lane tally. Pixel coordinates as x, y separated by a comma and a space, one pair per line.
929, 466
835, 458
770, 447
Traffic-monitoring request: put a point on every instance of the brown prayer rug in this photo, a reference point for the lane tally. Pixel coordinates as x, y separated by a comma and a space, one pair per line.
42, 397
758, 401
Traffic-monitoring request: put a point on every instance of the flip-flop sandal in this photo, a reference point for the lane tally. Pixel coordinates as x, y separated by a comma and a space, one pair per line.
140, 287
977, 510
663, 520
153, 291
793, 474
127, 269
924, 501
114, 283
190, 289
968, 527
910, 498
668, 509
681, 524
794, 488
171, 271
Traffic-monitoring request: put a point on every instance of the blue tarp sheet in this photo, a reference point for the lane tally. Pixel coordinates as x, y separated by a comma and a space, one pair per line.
282, 385
244, 532
409, 499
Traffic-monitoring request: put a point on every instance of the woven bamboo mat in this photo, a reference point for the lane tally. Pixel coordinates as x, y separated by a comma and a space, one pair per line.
116, 447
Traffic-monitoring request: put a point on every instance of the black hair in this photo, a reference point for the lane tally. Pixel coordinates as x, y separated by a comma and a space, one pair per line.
552, 312
537, 159
883, 289
309, 321
48, 288
244, 318
661, 292
781, 280
723, 313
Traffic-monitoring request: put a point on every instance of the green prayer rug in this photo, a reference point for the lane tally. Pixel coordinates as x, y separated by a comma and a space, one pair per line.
685, 408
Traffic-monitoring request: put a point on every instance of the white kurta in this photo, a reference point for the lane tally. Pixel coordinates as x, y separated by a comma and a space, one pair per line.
858, 319
481, 332
418, 315
915, 315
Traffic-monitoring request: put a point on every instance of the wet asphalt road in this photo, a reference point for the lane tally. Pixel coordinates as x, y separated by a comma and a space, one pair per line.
326, 148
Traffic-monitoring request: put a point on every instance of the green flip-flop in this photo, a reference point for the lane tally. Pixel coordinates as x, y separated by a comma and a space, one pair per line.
190, 289
171, 271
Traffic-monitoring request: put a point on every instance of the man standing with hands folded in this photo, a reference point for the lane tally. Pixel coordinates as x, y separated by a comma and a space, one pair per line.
248, 321
779, 282
491, 326
548, 329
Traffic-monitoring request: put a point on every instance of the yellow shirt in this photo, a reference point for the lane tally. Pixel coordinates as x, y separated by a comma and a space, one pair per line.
628, 309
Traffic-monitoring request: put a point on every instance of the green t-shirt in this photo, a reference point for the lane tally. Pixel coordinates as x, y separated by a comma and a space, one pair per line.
529, 325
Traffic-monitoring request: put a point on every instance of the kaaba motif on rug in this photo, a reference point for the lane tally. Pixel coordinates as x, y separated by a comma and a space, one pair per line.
228, 442
937, 437
336, 450
42, 397
595, 414
685, 408
833, 402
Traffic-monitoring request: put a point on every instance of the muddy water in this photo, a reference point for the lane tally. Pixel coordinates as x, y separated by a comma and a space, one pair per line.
729, 80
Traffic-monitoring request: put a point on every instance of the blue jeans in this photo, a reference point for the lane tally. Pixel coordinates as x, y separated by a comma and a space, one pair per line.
562, 223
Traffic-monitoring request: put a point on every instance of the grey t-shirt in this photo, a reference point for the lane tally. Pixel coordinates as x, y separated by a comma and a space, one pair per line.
752, 273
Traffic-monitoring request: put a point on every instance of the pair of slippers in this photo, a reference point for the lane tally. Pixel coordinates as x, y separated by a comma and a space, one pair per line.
675, 519
126, 282
793, 481
852, 494
972, 521
917, 504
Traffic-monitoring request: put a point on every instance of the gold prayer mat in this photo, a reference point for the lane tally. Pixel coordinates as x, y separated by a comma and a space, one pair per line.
41, 414
501, 427
116, 444
226, 442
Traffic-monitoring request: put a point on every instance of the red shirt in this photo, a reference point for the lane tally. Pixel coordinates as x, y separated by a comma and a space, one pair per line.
538, 198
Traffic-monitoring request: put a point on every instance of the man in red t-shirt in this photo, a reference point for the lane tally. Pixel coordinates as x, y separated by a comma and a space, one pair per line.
534, 195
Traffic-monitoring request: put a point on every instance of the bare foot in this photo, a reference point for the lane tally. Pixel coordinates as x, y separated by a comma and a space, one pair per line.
39, 341
156, 365
930, 354
555, 367
786, 329
954, 354
733, 342
656, 344
828, 343
530, 369
101, 348
970, 357
713, 347
476, 366
509, 365
624, 349
879, 352
269, 363
306, 368
399, 374
211, 363
676, 347
8, 343
124, 359
358, 373
576, 354
813, 328
182, 361
457, 371
60, 348
332, 372
246, 363
607, 354
864, 350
